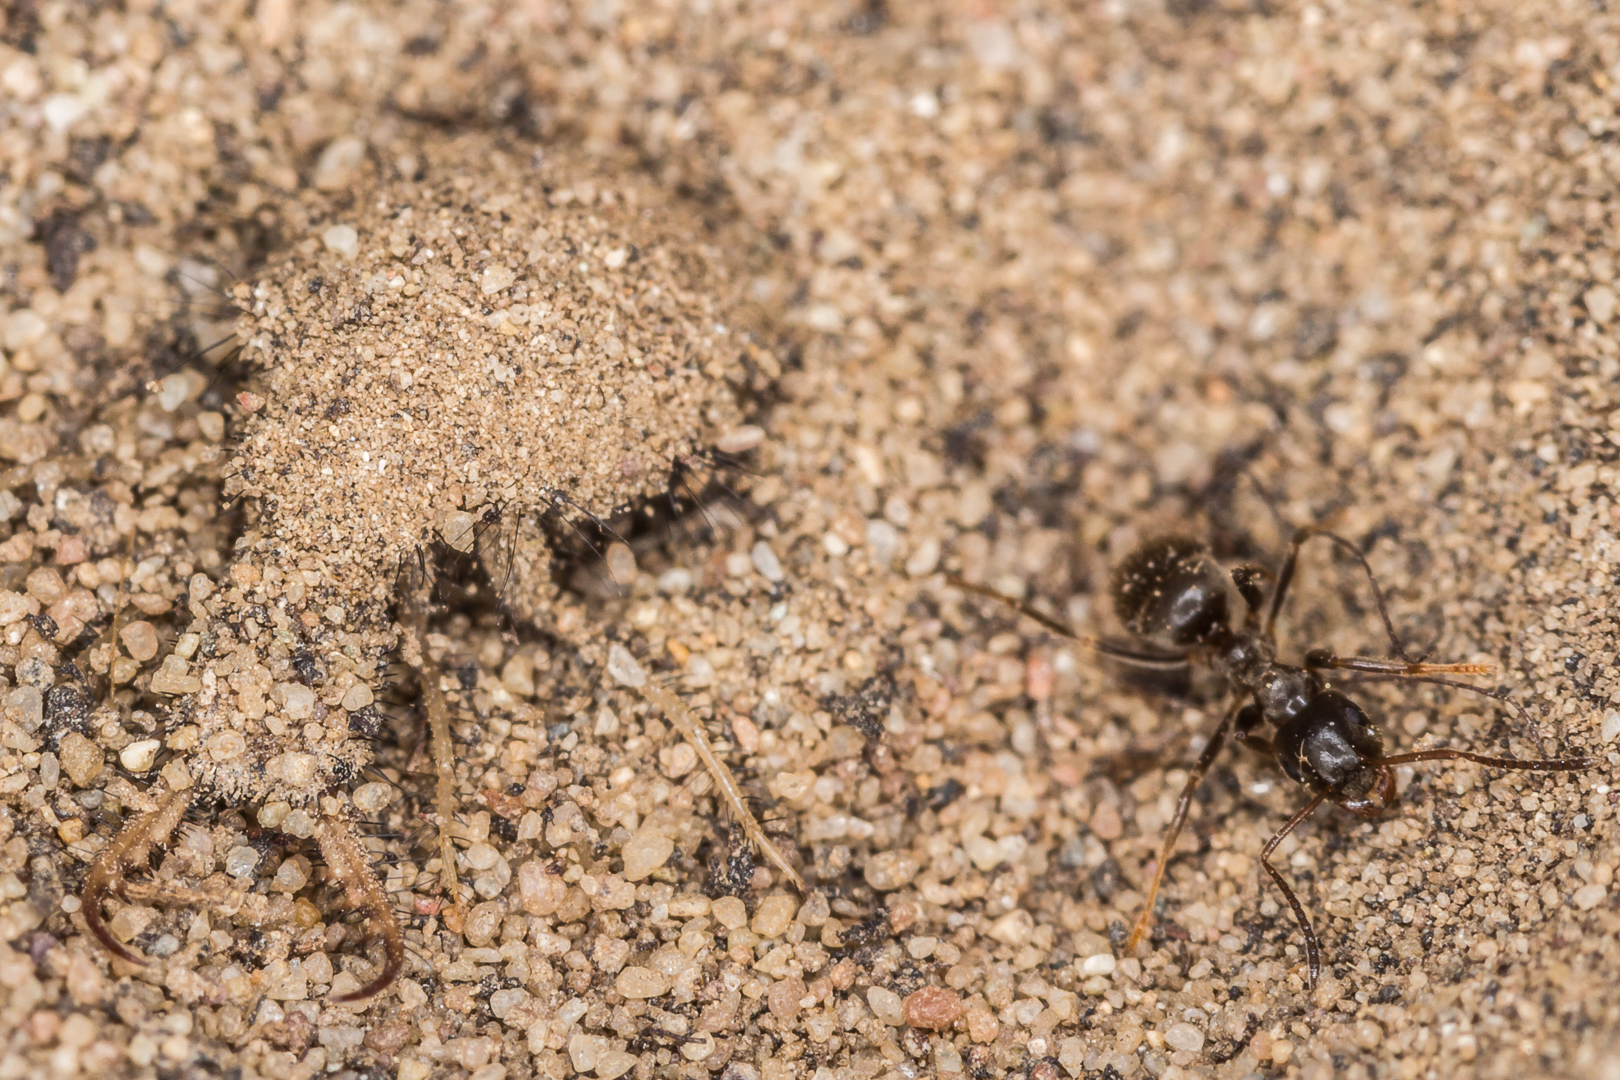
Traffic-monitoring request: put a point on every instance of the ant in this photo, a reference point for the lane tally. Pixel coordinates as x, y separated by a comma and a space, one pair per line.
1171, 595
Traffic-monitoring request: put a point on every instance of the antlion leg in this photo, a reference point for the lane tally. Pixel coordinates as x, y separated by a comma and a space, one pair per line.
129, 848
414, 621
346, 857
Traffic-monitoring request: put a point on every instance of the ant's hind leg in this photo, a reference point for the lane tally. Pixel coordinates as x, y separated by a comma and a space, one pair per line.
1216, 740
130, 848
345, 855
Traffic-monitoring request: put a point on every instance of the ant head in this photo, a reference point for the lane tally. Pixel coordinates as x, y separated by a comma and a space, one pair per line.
1172, 592
1331, 745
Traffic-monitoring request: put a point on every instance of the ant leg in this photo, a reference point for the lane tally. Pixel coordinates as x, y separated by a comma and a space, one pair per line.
1396, 671
1125, 654
129, 849
1249, 581
1313, 951
346, 856
1322, 660
1248, 718
1285, 577
1144, 921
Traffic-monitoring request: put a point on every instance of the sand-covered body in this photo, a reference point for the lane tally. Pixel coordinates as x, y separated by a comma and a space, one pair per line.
453, 359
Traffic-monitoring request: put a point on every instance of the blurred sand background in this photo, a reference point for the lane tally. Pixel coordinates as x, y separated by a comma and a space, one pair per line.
1038, 280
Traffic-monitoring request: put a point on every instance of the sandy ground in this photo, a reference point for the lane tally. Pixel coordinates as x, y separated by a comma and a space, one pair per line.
1015, 286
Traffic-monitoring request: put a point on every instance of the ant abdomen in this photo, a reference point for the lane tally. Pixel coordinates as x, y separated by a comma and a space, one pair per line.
1171, 592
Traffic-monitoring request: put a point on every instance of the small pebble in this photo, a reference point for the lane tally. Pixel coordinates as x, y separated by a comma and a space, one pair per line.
227, 746
675, 582
774, 915
484, 922
888, 870
495, 278
1099, 964
640, 983
1184, 1037
502, 1002
1588, 897
1013, 928
299, 823
357, 697
1611, 726
882, 542
921, 948
291, 875
932, 1008
730, 913
784, 997
615, 1063
140, 638
1106, 823
45, 585
241, 861
341, 240
341, 1038
645, 852
623, 667
740, 440
766, 563
370, 798
335, 169
139, 756
298, 702
1600, 303
886, 1006
81, 758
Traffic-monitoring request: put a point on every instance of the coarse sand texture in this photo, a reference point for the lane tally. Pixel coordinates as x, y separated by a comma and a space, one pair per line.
332, 332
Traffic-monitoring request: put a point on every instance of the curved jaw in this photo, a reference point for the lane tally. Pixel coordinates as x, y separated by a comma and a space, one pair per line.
129, 848
346, 857
1375, 797
340, 847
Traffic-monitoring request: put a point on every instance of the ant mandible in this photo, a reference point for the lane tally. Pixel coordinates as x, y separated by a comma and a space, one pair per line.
1171, 595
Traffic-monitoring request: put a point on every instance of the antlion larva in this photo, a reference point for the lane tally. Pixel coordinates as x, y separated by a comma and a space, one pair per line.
479, 333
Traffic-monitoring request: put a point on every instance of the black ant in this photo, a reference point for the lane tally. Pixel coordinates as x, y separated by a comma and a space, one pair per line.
1171, 595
